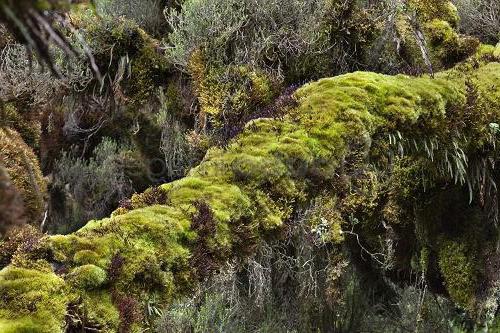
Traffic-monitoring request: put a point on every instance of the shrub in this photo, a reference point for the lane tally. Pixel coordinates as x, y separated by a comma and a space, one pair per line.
262, 33
480, 18
31, 23
204, 258
85, 189
294, 40
27, 81
351, 28
173, 143
29, 92
285, 287
115, 267
148, 14
5, 37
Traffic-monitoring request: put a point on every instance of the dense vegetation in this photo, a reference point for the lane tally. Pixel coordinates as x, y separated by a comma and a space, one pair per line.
249, 166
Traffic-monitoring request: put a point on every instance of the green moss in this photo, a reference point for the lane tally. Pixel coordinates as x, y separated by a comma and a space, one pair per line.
428, 10
114, 41
325, 221
32, 301
87, 277
438, 20
357, 103
458, 267
305, 150
441, 32
25, 123
24, 325
496, 52
447, 46
152, 241
100, 311
406, 182
229, 92
85, 257
23, 169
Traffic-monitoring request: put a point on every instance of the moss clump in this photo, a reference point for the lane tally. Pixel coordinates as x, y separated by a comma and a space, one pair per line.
85, 257
159, 237
447, 46
87, 277
26, 123
230, 93
101, 311
458, 267
428, 10
114, 40
23, 169
93, 310
437, 21
152, 196
32, 300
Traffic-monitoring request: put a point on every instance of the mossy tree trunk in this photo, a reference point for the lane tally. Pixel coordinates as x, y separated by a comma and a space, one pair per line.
169, 238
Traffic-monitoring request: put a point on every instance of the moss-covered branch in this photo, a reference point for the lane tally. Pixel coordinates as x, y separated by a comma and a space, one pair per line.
22, 167
166, 239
